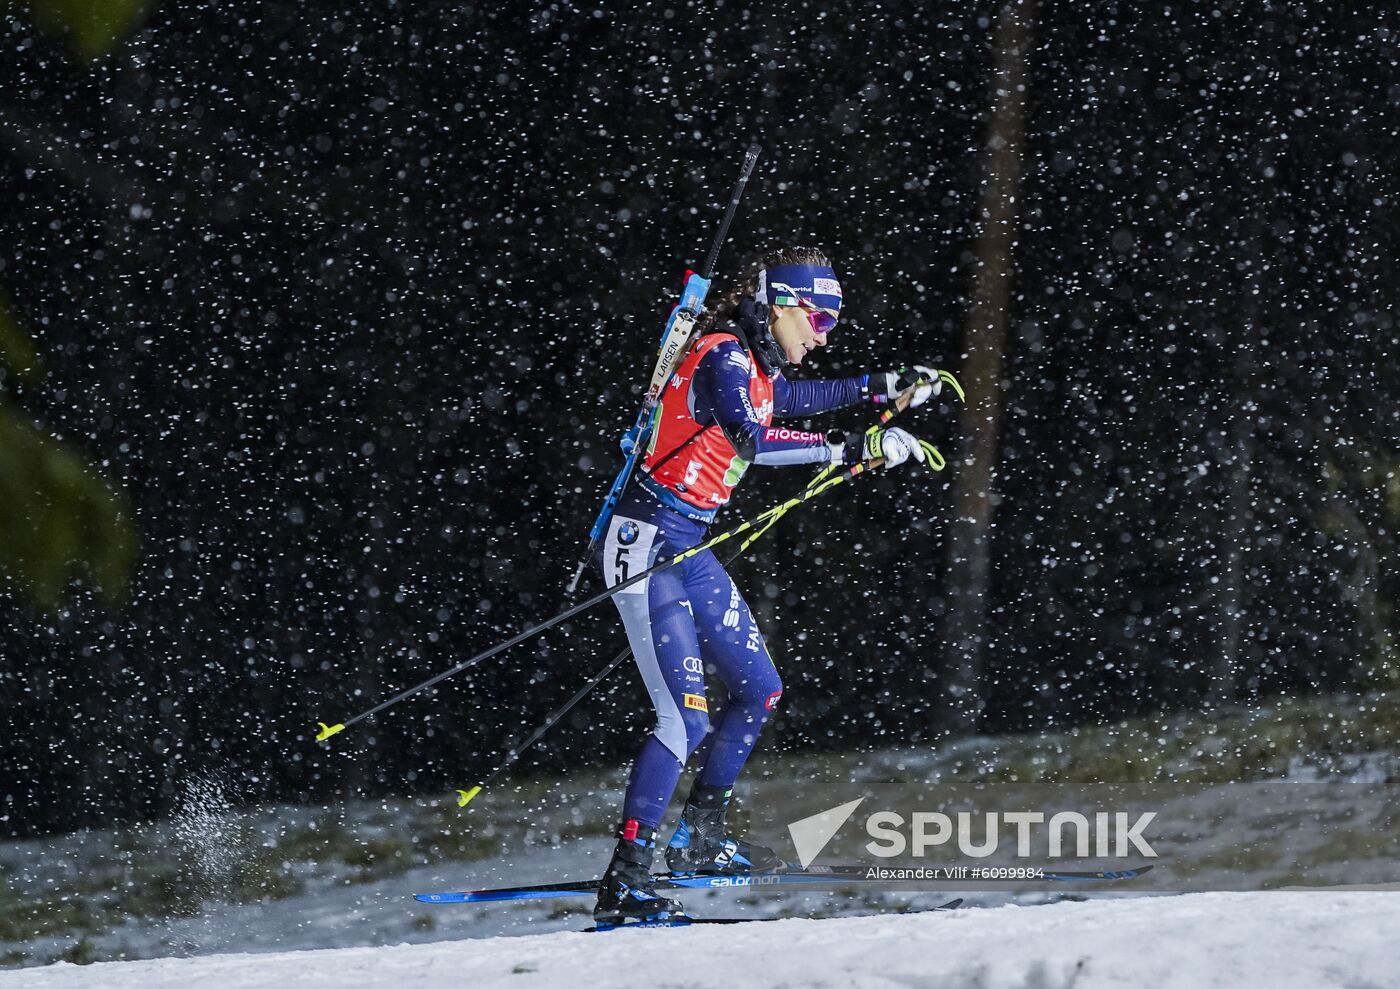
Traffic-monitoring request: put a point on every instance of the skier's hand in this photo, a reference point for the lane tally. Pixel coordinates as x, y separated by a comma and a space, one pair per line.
886, 386
893, 445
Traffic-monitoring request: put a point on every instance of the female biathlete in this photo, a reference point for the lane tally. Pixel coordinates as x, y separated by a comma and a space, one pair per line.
714, 420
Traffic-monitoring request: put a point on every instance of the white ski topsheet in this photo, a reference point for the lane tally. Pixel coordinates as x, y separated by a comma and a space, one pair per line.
1192, 941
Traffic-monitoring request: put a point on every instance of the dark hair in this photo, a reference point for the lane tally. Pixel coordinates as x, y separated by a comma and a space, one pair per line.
748, 282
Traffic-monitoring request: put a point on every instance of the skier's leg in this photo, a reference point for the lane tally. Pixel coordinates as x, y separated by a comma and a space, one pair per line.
666, 650
731, 646
662, 634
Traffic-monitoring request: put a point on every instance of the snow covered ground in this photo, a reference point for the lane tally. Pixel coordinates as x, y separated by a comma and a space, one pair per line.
216, 879
1313, 939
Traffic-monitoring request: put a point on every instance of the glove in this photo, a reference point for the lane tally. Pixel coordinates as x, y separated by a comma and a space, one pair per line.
885, 386
893, 444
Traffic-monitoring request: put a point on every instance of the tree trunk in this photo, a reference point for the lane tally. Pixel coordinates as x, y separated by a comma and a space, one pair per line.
1234, 532
980, 419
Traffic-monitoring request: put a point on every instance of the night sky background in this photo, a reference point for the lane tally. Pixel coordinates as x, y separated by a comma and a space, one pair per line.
354, 301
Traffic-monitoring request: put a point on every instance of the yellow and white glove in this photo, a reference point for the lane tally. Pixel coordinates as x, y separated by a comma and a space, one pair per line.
893, 445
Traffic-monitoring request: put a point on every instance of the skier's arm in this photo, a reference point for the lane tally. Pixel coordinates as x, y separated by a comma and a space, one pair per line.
805, 398
720, 391
802, 398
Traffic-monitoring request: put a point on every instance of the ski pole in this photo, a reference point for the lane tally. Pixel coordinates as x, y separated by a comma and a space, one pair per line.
812, 491
818, 486
675, 337
935, 461
464, 797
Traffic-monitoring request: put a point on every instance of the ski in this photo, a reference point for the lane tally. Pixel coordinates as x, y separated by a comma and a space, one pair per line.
813, 876
691, 921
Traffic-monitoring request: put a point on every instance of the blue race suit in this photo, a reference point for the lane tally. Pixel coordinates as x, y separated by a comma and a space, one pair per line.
690, 620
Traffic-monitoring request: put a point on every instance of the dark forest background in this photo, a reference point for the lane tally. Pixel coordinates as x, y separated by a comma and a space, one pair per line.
349, 303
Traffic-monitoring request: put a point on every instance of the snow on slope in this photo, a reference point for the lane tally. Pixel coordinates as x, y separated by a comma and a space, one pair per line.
1274, 939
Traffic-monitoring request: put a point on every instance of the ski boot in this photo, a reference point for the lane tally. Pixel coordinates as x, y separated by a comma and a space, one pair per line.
700, 844
627, 893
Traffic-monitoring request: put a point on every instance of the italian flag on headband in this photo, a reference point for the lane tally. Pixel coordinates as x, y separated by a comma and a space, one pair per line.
816, 284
